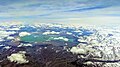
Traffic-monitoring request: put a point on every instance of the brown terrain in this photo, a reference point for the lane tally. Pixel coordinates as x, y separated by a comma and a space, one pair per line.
42, 56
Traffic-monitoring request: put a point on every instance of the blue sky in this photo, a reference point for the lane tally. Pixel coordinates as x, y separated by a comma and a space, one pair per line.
60, 11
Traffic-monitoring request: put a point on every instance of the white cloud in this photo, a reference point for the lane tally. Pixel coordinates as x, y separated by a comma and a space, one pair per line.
18, 57
24, 34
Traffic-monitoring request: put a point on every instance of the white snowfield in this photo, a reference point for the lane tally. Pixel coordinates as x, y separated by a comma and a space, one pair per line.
24, 34
19, 57
106, 43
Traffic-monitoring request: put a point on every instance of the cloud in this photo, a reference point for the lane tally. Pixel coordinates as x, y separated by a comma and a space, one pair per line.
56, 10
88, 8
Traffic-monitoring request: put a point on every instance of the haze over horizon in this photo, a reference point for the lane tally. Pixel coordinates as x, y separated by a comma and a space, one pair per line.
60, 11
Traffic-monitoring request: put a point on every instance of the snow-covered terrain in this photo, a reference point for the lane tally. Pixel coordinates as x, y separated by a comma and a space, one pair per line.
103, 43
97, 42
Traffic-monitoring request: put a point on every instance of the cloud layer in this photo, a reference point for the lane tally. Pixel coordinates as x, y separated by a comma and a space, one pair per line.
56, 10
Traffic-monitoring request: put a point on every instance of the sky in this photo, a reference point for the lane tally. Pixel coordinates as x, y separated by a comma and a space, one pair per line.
60, 11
